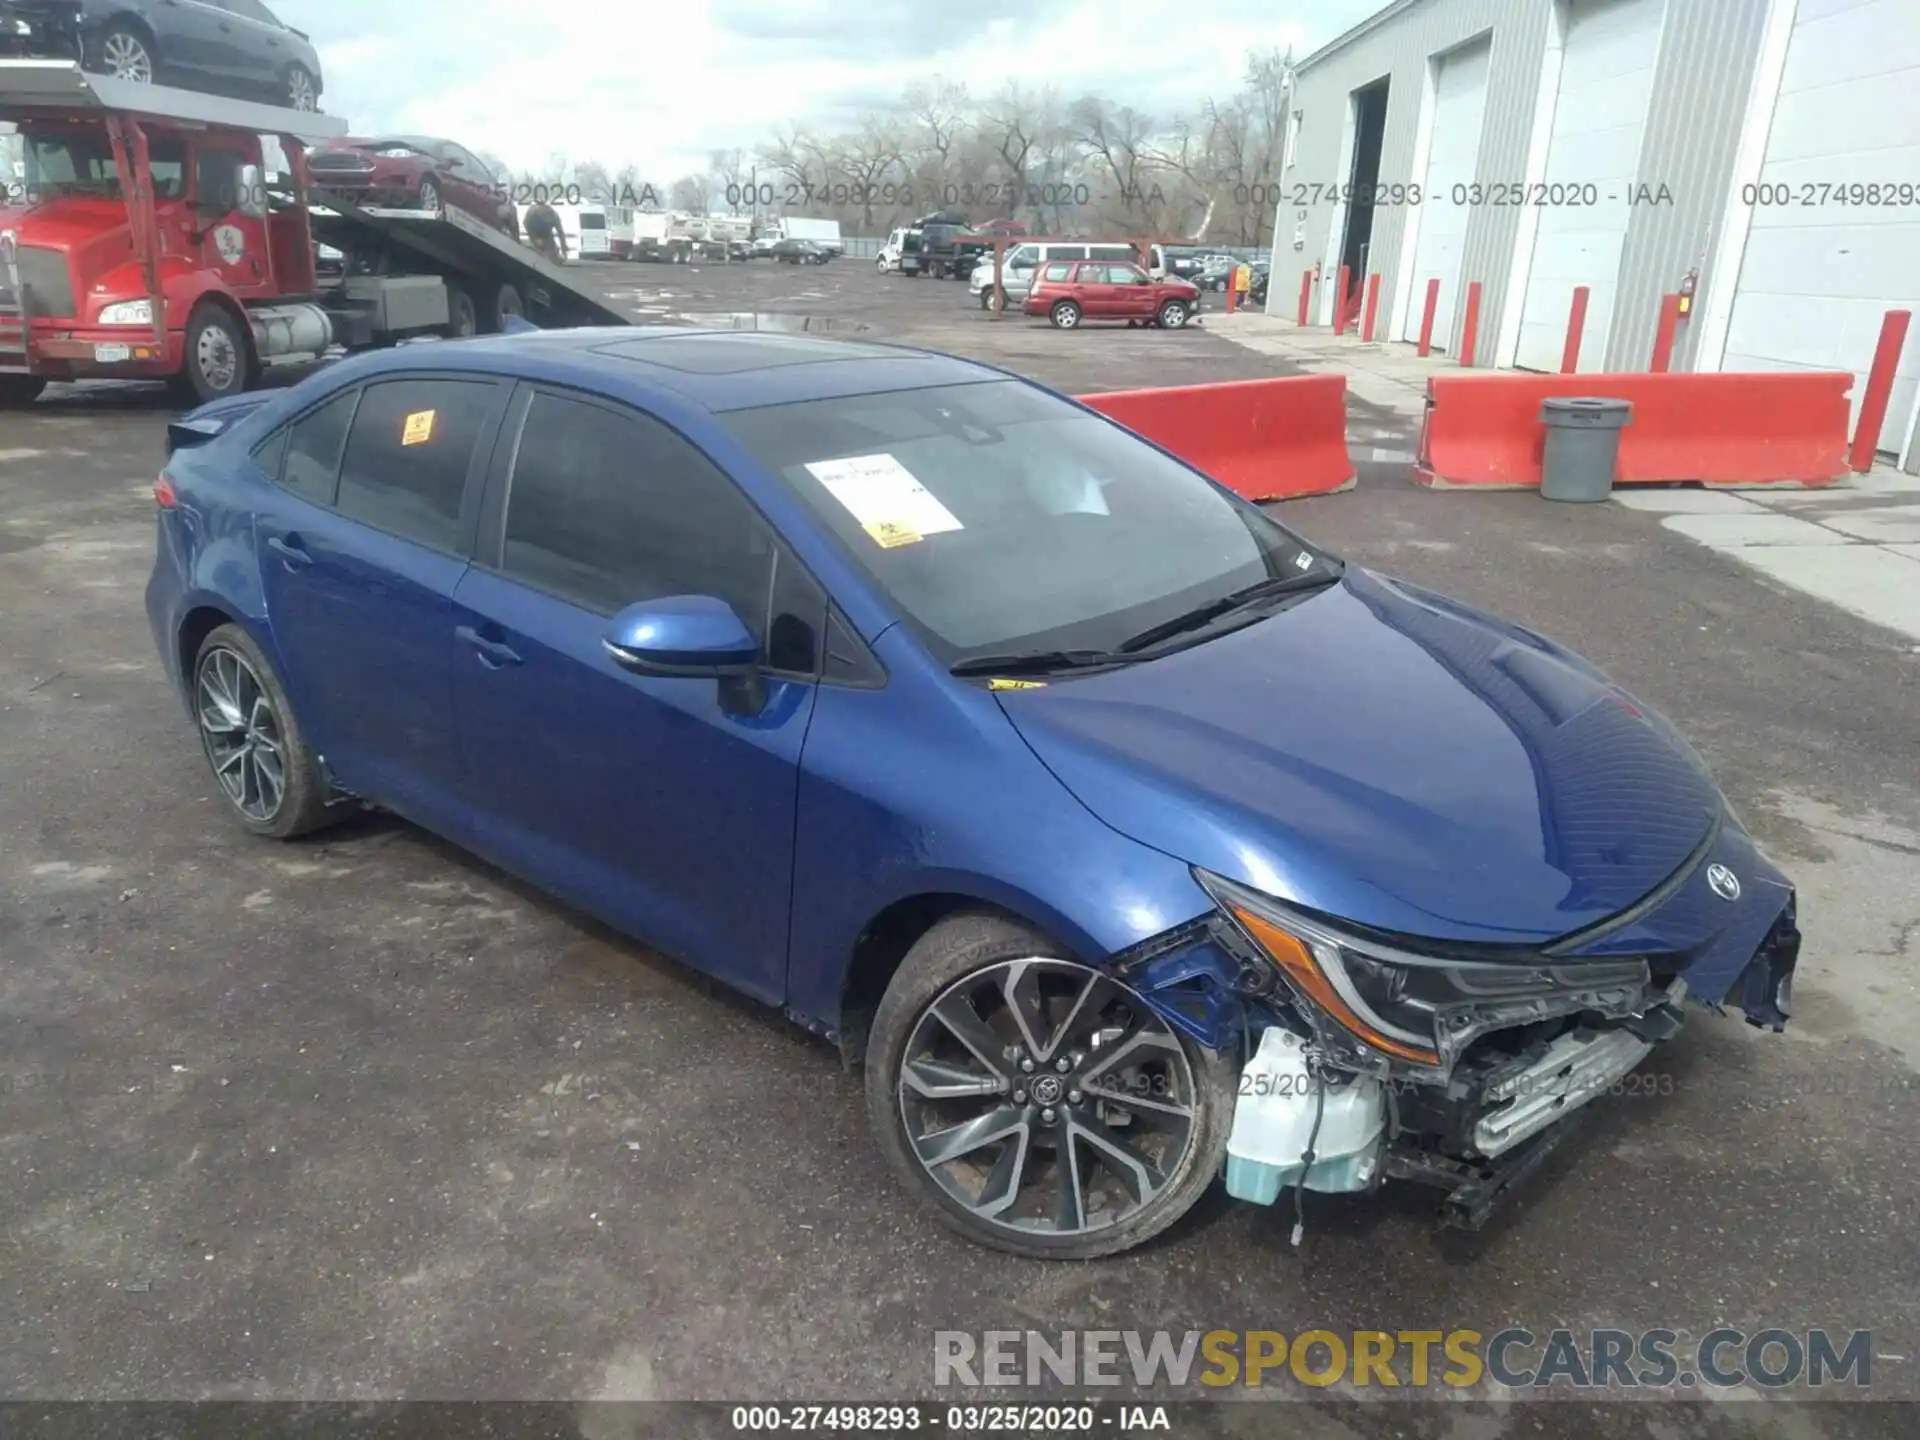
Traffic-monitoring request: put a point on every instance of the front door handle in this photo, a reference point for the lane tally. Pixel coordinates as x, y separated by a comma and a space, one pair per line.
290, 551
491, 653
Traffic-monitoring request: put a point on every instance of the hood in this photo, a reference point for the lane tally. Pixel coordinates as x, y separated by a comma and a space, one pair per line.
67, 223
1388, 757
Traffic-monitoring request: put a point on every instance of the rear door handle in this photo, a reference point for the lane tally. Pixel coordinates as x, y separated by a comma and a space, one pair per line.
290, 551
492, 653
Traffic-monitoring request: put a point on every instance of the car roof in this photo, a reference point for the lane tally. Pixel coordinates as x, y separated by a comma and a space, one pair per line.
717, 370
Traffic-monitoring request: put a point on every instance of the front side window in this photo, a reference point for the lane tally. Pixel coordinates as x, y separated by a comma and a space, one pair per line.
607, 507
405, 467
997, 517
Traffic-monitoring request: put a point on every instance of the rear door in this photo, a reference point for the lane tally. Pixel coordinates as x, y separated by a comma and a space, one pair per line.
645, 800
360, 549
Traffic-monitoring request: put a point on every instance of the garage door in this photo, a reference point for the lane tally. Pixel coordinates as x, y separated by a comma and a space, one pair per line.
1817, 278
1459, 103
1606, 80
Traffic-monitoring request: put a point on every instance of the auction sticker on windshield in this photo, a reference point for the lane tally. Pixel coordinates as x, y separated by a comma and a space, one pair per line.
881, 493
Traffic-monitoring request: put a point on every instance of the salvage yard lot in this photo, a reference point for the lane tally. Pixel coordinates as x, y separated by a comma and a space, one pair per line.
362, 1118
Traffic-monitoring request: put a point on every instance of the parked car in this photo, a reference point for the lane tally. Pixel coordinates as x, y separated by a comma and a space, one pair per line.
1001, 226
413, 172
237, 48
1080, 798
801, 252
1020, 262
1072, 292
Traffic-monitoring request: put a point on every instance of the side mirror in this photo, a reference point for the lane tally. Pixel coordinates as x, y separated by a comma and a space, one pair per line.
690, 636
252, 184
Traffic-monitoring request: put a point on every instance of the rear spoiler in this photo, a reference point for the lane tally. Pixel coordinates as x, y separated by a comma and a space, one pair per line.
186, 433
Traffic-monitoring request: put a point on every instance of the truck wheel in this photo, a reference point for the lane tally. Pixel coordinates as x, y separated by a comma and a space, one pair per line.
462, 319
506, 302
218, 360
1065, 315
20, 390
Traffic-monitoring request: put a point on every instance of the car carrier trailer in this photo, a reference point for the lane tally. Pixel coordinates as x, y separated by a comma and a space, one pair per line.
149, 244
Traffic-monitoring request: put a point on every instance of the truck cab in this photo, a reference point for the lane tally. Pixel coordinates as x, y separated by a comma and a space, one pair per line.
78, 278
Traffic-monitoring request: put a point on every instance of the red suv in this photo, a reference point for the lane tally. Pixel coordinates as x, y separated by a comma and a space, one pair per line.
1070, 291
413, 172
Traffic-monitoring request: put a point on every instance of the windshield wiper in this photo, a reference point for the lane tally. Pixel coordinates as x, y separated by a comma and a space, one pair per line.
1030, 662
1226, 605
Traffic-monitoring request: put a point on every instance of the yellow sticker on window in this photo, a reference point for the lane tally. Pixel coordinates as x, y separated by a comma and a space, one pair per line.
891, 533
419, 428
1016, 684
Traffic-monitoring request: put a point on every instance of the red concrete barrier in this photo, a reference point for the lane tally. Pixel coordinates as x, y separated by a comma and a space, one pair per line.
1264, 439
1720, 429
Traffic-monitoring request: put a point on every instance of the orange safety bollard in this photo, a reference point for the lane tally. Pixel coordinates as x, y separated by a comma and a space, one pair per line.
1873, 404
1470, 331
1426, 319
1576, 327
1373, 307
1340, 302
1232, 293
1664, 337
1306, 294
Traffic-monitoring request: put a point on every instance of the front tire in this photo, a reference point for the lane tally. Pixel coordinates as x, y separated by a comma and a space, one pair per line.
1065, 315
259, 754
429, 198
218, 360
20, 391
1173, 315
1035, 1104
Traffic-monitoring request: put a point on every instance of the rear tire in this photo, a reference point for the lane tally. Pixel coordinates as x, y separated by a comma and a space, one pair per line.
506, 302
125, 52
302, 93
20, 391
1065, 315
273, 740
462, 317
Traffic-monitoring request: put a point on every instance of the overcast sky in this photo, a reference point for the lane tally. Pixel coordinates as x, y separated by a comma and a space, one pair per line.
661, 83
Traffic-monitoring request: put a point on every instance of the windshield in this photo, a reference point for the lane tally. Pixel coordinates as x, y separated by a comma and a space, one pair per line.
1000, 518
80, 162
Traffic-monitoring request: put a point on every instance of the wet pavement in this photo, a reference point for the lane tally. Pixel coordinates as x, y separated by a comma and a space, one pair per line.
360, 1118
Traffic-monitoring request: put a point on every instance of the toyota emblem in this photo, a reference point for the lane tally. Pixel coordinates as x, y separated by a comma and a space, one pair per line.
1725, 883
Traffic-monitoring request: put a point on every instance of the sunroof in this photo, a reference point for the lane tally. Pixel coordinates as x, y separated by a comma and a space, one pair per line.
730, 354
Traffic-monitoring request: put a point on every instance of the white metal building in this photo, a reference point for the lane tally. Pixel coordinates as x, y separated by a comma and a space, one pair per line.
1763, 153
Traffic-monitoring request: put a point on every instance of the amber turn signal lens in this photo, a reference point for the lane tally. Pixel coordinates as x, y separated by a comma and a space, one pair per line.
1292, 955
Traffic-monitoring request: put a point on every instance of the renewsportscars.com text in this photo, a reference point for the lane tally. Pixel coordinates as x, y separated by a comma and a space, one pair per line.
1514, 1357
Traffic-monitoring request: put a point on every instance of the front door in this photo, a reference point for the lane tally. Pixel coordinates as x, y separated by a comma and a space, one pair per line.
647, 801
360, 551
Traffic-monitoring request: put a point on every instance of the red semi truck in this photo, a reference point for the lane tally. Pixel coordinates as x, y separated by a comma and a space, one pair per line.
147, 241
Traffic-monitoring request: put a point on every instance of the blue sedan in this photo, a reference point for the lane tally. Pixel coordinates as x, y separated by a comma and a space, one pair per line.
1127, 837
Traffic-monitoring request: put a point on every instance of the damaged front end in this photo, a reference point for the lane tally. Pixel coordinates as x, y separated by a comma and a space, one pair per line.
1370, 1058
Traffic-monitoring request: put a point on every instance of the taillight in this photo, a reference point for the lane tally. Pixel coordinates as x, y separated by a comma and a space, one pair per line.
163, 495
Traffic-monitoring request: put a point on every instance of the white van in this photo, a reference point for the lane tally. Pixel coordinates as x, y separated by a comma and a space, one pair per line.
585, 227
1024, 259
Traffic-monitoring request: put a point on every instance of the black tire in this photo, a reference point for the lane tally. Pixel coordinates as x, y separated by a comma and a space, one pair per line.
506, 301
302, 93
213, 333
20, 391
1172, 316
430, 196
1065, 315
302, 805
964, 945
118, 39
463, 318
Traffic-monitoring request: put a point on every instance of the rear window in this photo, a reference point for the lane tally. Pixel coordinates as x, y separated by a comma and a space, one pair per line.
593, 222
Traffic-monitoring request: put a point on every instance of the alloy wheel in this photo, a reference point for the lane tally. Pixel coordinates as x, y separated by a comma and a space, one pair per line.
1046, 1099
217, 359
300, 91
126, 58
242, 733
429, 196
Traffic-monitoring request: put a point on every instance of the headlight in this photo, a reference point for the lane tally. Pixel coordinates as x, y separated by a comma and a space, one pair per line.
128, 312
1420, 1009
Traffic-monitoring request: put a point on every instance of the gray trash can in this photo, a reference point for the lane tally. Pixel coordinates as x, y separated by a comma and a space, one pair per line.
1583, 443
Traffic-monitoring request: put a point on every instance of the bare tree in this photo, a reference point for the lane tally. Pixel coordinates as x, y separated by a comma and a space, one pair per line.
730, 170
868, 159
1012, 125
1121, 140
692, 193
